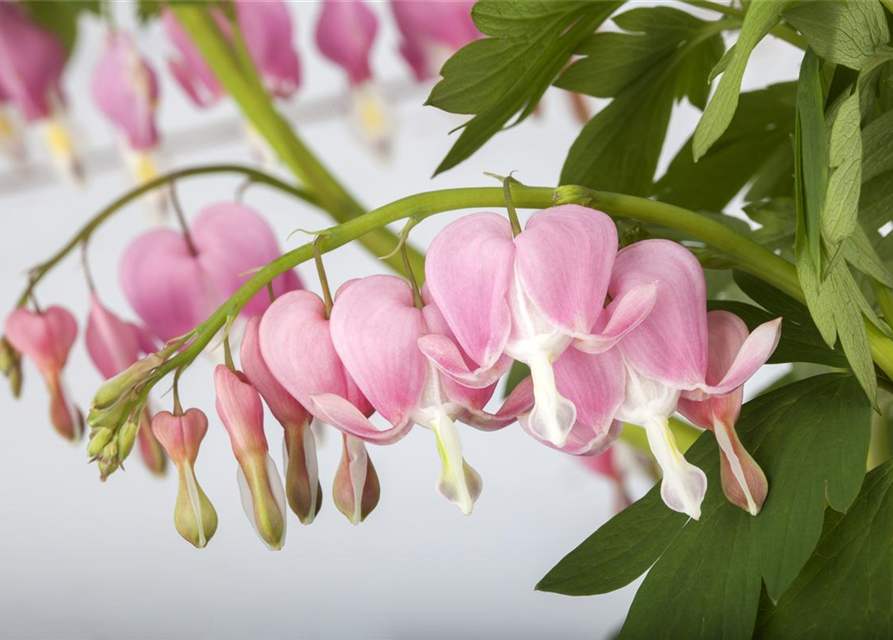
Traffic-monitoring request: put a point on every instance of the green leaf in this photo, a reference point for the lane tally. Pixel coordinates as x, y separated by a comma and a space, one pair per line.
876, 201
809, 437
847, 33
761, 16
777, 220
517, 373
877, 147
619, 148
147, 10
757, 136
860, 254
845, 589
813, 156
841, 209
60, 18
494, 78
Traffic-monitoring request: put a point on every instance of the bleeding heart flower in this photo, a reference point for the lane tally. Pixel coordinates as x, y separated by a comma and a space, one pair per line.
181, 435
375, 328
432, 32
12, 142
743, 481
299, 444
190, 70
641, 379
173, 290
607, 465
296, 344
46, 339
263, 498
528, 297
268, 32
125, 88
345, 35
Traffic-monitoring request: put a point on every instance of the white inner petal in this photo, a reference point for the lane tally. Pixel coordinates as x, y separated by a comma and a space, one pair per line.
725, 443
683, 485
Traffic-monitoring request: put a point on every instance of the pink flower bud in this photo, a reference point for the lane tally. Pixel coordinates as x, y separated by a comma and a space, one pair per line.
263, 498
357, 490
181, 436
46, 339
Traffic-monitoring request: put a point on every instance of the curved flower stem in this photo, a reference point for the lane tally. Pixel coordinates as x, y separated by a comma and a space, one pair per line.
240, 79
83, 235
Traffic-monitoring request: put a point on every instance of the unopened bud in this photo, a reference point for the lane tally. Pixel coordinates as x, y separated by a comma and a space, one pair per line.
151, 451
120, 390
302, 488
194, 516
108, 460
98, 439
356, 490
15, 380
127, 438
8, 356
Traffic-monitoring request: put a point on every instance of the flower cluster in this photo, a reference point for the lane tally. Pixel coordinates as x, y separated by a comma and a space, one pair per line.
610, 337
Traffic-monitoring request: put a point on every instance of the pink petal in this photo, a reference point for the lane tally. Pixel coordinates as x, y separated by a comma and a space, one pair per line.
190, 70
563, 262
623, 315
469, 270
375, 329
46, 338
340, 413
296, 344
113, 345
241, 411
345, 34
268, 32
670, 345
284, 407
426, 26
519, 401
125, 88
165, 284
180, 435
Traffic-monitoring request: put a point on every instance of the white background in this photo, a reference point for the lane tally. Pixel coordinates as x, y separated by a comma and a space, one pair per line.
82, 559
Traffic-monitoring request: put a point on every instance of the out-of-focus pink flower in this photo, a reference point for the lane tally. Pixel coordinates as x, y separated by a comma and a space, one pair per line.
181, 435
173, 290
190, 70
743, 481
606, 464
345, 34
432, 31
263, 498
296, 343
299, 444
529, 298
375, 330
46, 339
12, 143
268, 32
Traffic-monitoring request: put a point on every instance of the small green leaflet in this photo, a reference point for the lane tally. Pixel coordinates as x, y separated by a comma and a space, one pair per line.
497, 77
848, 32
664, 55
877, 147
841, 208
758, 138
761, 16
809, 437
845, 589
813, 156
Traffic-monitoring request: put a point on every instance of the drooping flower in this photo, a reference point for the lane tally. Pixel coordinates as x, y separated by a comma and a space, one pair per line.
375, 328
113, 346
432, 31
173, 290
190, 70
46, 339
296, 344
607, 465
641, 379
12, 142
268, 32
263, 498
345, 34
743, 481
528, 298
299, 444
32, 60
181, 434
125, 89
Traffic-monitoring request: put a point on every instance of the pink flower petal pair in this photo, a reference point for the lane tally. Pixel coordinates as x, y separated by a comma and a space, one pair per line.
31, 63
46, 339
345, 34
125, 88
268, 33
529, 297
432, 31
190, 70
172, 291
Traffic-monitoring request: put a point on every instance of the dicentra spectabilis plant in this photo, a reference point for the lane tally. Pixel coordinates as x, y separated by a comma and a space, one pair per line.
632, 301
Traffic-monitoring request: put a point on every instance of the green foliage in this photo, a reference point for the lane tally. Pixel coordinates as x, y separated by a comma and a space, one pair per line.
61, 18
811, 439
845, 589
761, 16
665, 54
497, 77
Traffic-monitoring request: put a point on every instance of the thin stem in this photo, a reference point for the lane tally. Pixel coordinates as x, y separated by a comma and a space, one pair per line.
228, 353
178, 211
85, 266
780, 31
323, 278
270, 292
510, 205
416, 293
178, 408
38, 272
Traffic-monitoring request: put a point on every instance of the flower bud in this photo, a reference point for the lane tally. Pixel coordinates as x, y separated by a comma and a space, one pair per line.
263, 498
151, 451
356, 490
66, 419
108, 460
302, 488
98, 439
121, 389
181, 436
127, 437
8, 356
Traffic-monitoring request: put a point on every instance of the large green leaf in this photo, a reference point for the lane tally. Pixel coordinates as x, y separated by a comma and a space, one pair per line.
813, 155
497, 77
761, 16
848, 32
841, 208
811, 439
877, 147
665, 54
846, 588
758, 137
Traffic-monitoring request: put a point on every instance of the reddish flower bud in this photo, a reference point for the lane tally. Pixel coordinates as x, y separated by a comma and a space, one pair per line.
356, 490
